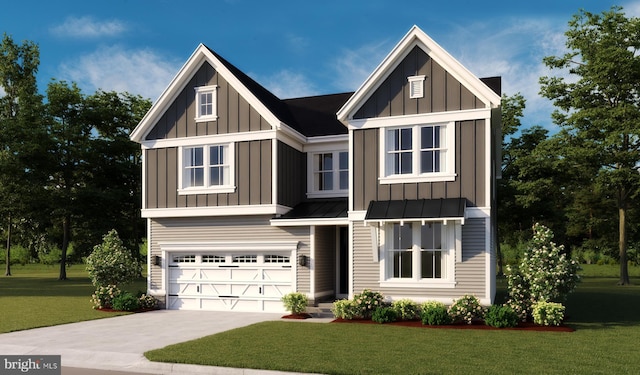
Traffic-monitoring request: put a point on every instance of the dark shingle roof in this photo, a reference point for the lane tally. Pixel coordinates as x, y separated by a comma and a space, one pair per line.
310, 116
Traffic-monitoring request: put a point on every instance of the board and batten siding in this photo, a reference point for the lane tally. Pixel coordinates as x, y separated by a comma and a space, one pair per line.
225, 229
442, 92
253, 176
235, 114
324, 263
470, 181
469, 274
292, 175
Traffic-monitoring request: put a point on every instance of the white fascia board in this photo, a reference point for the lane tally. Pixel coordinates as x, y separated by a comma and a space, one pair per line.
308, 222
246, 210
228, 246
210, 139
423, 118
327, 143
200, 55
417, 37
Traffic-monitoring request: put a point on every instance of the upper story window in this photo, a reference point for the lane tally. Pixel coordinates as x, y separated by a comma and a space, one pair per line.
207, 169
206, 99
329, 174
418, 153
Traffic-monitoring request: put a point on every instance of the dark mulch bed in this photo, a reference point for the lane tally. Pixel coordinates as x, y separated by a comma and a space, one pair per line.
522, 326
134, 311
297, 316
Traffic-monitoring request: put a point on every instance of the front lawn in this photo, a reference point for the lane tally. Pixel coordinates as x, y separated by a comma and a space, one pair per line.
33, 297
604, 315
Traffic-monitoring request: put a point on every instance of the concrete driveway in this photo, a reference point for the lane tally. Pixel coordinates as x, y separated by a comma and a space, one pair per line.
118, 343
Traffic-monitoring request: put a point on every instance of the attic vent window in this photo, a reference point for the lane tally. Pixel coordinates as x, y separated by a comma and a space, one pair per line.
416, 87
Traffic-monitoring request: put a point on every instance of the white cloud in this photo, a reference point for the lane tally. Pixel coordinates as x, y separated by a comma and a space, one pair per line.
353, 67
287, 84
87, 27
142, 72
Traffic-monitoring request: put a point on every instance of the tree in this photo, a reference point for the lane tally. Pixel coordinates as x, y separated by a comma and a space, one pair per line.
598, 105
111, 263
21, 132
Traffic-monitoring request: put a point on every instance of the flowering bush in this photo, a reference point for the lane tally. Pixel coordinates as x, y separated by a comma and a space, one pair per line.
384, 315
345, 309
466, 308
295, 302
111, 263
501, 316
545, 274
104, 295
367, 301
406, 309
434, 313
548, 313
148, 302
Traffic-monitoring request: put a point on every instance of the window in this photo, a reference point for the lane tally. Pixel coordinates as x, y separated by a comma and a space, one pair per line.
206, 103
330, 173
418, 153
207, 169
419, 253
416, 87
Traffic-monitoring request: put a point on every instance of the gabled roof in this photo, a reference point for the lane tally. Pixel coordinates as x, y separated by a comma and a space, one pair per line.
311, 116
417, 37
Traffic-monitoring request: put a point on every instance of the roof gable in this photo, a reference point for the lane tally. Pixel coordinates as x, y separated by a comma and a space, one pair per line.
417, 38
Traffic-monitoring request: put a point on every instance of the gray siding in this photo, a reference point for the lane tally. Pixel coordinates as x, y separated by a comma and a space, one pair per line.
252, 174
442, 91
325, 255
292, 175
470, 273
209, 229
234, 112
470, 182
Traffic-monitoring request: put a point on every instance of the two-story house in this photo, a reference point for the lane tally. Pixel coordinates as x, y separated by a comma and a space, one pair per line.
248, 197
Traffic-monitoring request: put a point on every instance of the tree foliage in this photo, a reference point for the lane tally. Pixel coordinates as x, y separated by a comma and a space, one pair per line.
597, 95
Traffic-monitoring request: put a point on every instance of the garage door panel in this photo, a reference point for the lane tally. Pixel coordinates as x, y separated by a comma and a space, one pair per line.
183, 273
282, 274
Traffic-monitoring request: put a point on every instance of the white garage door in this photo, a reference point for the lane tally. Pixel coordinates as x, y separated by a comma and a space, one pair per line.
224, 282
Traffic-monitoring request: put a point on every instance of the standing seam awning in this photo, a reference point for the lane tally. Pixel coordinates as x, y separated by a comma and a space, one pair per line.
417, 210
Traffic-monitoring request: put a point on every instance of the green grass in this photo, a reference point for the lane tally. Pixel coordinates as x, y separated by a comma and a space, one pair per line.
34, 297
606, 339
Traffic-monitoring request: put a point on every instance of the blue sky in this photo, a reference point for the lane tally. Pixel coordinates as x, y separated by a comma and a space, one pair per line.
293, 48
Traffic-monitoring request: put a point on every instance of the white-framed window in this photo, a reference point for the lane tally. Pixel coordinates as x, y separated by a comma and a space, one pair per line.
207, 169
206, 99
416, 87
418, 254
329, 174
418, 153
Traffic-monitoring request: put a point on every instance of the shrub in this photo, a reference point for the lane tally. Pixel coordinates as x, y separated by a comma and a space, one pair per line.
548, 313
148, 302
384, 315
406, 309
125, 302
434, 314
545, 274
345, 309
104, 295
111, 263
295, 302
367, 302
501, 316
466, 308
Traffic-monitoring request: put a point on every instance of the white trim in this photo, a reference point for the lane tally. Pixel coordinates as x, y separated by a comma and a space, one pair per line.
257, 209
274, 171
312, 257
477, 212
200, 90
430, 177
327, 142
149, 249
308, 222
335, 170
206, 139
228, 246
416, 87
407, 120
357, 215
416, 37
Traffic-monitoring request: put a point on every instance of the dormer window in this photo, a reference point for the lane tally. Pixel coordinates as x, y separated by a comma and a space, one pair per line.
416, 87
206, 98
